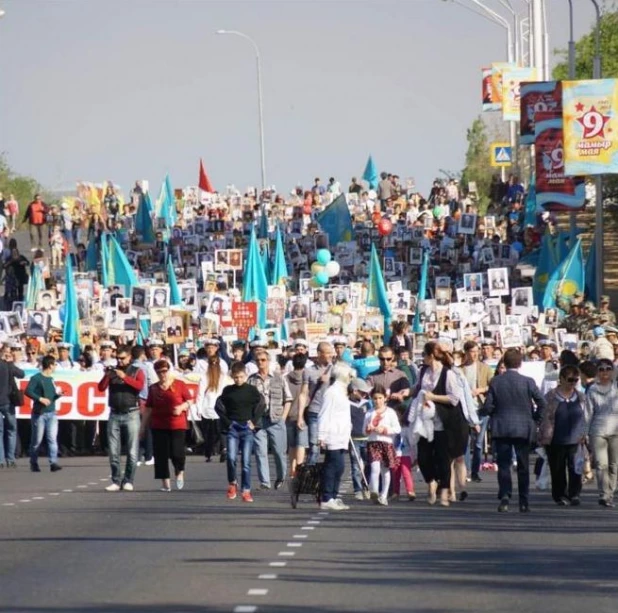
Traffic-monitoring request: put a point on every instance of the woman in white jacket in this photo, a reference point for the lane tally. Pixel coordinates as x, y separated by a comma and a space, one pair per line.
334, 430
381, 426
211, 385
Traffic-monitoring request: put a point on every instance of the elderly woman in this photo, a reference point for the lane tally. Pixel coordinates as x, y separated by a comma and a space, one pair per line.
334, 430
603, 431
166, 414
562, 429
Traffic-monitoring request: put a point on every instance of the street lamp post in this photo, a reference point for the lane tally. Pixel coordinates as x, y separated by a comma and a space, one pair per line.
258, 62
598, 229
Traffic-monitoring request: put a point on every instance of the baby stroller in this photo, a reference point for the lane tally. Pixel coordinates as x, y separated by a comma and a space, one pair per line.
308, 480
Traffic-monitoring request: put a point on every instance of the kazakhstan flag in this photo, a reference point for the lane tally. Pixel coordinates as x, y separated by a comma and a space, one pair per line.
336, 221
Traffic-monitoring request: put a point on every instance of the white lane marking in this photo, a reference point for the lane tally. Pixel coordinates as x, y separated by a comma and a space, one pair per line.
308, 528
54, 494
257, 592
267, 577
25, 500
38, 498
245, 609
67, 491
81, 487
8, 504
300, 536
323, 513
295, 544
314, 522
273, 564
104, 479
287, 553
93, 483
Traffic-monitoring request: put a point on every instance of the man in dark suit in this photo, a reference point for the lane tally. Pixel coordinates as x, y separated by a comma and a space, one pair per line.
514, 403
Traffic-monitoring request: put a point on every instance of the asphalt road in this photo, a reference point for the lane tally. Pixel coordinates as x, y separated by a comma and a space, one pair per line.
68, 546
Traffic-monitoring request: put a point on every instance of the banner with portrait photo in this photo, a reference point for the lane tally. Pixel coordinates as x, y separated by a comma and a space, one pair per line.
489, 95
555, 191
497, 72
537, 97
589, 111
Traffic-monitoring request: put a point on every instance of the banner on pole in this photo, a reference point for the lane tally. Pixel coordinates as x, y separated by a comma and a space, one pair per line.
590, 126
541, 97
497, 70
554, 190
489, 93
511, 92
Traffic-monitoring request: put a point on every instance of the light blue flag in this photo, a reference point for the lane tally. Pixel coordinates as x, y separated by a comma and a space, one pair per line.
547, 264
91, 254
530, 213
70, 333
169, 193
264, 251
336, 221
143, 220
120, 271
591, 278
175, 298
35, 285
567, 278
280, 268
104, 260
376, 292
143, 334
263, 229
254, 284
371, 174
422, 292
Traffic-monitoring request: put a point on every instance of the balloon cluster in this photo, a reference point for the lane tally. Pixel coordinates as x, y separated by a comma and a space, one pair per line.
323, 268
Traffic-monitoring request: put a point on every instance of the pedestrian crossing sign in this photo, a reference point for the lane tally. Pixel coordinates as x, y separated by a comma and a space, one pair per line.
501, 154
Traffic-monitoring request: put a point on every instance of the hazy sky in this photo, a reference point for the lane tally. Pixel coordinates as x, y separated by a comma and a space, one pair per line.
126, 89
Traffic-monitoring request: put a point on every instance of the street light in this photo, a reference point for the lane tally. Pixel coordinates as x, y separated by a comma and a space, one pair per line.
260, 105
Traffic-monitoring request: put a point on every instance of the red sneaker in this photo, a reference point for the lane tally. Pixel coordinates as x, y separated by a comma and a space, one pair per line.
246, 496
231, 491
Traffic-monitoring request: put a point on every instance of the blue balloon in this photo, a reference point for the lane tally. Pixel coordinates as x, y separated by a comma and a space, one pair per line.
323, 256
322, 277
517, 246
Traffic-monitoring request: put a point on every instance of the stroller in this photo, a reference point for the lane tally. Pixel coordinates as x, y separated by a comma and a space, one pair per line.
308, 480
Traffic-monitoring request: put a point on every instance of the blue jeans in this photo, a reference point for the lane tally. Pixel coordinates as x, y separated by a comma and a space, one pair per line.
477, 450
239, 436
8, 425
275, 435
361, 450
314, 448
44, 424
334, 465
118, 423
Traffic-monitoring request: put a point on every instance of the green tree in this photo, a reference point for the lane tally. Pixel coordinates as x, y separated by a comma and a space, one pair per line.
478, 168
22, 187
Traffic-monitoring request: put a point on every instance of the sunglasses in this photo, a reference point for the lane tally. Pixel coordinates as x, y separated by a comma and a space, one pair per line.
572, 379
262, 360
605, 369
385, 359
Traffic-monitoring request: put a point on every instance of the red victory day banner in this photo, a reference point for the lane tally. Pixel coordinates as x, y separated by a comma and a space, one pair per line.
538, 97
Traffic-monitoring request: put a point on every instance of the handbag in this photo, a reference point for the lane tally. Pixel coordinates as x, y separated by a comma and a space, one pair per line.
196, 433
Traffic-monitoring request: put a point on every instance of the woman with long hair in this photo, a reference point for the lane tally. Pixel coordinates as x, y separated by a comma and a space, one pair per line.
208, 392
440, 387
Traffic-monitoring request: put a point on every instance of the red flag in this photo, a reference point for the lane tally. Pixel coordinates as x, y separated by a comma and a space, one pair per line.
205, 184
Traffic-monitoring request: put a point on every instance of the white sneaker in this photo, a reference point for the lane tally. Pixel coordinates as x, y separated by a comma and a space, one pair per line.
342, 506
138, 463
382, 500
127, 487
359, 496
149, 462
114, 487
331, 505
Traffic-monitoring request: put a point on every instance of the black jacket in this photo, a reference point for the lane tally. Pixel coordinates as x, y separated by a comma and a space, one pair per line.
8, 371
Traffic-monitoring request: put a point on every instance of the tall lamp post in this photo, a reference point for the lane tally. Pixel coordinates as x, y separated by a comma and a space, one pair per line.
258, 62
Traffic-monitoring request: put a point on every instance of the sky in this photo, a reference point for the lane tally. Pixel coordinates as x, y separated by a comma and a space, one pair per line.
94, 90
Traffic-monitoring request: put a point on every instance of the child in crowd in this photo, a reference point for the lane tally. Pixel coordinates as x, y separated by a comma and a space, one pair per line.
380, 426
405, 452
360, 406
56, 243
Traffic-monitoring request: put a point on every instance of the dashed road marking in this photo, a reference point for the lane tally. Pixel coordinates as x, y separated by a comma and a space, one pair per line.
257, 592
25, 500
300, 536
295, 544
81, 487
273, 564
38, 498
245, 609
8, 504
267, 577
287, 553
67, 491
314, 522
54, 494
308, 528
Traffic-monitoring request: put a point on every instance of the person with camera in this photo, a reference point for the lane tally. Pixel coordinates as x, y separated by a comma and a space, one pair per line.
124, 382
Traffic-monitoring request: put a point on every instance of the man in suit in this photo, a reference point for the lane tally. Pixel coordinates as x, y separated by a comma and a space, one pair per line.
478, 375
514, 403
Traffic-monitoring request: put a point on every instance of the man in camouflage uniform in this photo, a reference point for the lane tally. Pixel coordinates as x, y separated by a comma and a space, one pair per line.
605, 311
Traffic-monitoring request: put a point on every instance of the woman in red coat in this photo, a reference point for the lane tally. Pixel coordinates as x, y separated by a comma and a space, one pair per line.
166, 414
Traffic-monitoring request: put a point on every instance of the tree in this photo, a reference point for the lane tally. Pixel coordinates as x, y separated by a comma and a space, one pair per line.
22, 187
584, 53
478, 169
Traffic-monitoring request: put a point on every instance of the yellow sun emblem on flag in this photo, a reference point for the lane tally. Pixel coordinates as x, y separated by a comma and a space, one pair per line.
568, 288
